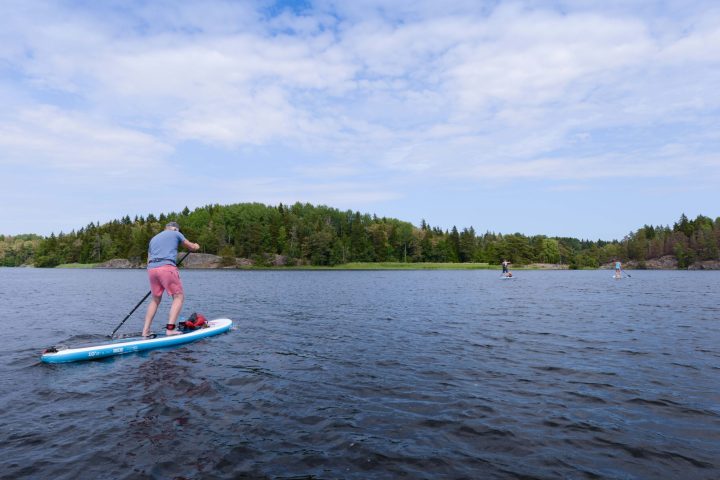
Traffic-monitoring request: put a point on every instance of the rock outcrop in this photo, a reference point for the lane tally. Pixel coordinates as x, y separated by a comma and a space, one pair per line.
666, 262
705, 265
202, 260
547, 266
193, 261
118, 263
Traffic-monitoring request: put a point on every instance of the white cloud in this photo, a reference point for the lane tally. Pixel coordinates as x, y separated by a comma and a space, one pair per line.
46, 136
274, 190
405, 91
535, 59
247, 86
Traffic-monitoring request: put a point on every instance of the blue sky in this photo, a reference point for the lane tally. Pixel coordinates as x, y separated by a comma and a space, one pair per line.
573, 118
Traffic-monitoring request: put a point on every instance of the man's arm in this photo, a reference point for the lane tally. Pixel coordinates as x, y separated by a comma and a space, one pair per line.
191, 246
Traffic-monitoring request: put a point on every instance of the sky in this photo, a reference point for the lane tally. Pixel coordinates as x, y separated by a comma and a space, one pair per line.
576, 118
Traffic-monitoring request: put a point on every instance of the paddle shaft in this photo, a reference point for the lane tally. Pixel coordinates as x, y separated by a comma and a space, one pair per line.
141, 301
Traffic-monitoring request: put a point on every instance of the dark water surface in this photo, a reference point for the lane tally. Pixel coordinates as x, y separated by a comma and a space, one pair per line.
382, 374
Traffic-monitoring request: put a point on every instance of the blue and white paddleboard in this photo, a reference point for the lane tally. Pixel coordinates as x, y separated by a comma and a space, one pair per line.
135, 344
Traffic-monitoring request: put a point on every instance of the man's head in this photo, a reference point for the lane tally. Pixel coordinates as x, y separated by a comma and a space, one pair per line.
172, 226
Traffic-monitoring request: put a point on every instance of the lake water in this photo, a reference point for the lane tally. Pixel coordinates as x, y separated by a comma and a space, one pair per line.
369, 374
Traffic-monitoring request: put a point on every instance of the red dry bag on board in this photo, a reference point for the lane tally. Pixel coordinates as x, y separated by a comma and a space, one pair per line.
196, 320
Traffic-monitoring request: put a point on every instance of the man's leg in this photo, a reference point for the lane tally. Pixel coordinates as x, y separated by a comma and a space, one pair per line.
150, 314
175, 308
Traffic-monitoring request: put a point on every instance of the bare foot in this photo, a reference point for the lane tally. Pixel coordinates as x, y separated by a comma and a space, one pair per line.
172, 332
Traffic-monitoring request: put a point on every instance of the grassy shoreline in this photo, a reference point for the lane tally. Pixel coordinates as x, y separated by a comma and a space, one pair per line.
414, 266
369, 266
77, 265
388, 266
346, 266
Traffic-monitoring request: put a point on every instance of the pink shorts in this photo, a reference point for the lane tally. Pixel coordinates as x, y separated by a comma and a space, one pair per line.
164, 278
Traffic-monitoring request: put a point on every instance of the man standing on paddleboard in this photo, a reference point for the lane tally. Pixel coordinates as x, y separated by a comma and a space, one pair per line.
505, 265
164, 275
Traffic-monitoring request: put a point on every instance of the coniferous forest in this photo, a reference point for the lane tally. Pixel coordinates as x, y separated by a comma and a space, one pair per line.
305, 234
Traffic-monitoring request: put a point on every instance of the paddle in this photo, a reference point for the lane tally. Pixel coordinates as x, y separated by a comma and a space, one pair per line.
141, 302
625, 273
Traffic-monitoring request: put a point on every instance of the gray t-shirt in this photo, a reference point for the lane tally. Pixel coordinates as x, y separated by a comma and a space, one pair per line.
163, 248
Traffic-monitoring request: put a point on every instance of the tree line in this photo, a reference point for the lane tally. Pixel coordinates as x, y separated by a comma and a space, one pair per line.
319, 235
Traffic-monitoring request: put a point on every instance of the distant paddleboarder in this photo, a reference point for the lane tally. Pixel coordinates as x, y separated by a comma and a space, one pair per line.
164, 275
505, 268
505, 265
618, 268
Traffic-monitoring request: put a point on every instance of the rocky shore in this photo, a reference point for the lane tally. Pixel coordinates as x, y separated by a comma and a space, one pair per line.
209, 261
200, 261
667, 262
